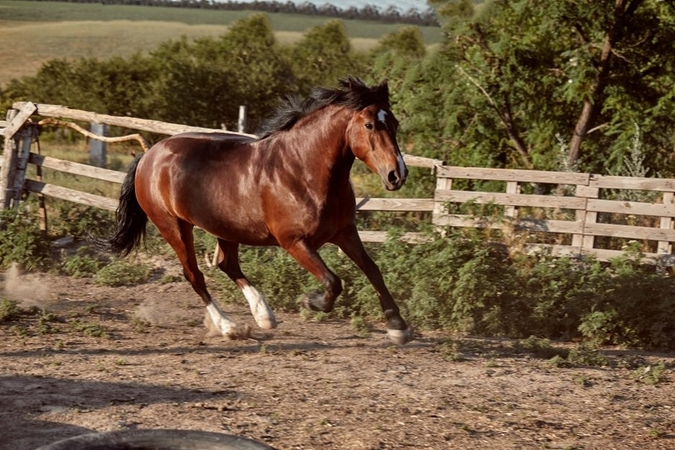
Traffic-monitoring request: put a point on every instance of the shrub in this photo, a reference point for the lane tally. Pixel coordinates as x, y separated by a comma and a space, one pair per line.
122, 273
9, 310
84, 263
80, 221
22, 242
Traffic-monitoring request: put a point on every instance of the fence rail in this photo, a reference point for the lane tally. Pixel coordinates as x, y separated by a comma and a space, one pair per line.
581, 214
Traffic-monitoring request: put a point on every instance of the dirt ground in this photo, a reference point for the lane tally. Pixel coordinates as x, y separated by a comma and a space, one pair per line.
96, 364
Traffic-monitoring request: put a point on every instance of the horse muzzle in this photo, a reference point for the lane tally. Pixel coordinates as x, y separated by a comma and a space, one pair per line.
393, 180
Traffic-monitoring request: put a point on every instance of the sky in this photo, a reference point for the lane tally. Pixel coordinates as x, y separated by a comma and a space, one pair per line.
401, 5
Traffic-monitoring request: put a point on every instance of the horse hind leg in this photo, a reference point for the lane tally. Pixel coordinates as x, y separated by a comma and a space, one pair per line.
229, 264
179, 235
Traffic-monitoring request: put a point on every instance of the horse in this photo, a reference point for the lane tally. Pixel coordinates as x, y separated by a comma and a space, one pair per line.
289, 187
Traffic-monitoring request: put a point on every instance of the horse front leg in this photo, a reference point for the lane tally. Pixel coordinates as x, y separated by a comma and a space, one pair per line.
310, 260
350, 243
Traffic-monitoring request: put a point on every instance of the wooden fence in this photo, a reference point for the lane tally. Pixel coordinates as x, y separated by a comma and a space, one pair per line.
567, 213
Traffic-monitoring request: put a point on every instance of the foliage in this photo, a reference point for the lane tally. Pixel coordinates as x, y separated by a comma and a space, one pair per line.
21, 241
122, 273
84, 263
9, 310
460, 283
516, 73
324, 55
79, 221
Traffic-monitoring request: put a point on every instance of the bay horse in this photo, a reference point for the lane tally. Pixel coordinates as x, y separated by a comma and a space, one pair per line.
288, 188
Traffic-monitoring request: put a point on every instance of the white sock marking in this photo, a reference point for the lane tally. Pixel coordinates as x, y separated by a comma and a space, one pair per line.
262, 313
220, 320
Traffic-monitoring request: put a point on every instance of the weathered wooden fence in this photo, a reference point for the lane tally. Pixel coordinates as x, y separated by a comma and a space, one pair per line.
580, 214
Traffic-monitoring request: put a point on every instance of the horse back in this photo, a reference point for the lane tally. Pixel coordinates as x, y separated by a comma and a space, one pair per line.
208, 180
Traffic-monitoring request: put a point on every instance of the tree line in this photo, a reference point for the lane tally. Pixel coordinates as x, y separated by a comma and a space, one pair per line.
540, 84
391, 14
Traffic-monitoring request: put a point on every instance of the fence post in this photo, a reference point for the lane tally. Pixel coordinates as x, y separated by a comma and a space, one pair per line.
24, 142
97, 148
8, 158
241, 123
15, 120
665, 247
583, 216
442, 184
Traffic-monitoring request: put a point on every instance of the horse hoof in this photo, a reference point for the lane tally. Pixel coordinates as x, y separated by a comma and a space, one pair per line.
238, 332
314, 302
400, 337
266, 323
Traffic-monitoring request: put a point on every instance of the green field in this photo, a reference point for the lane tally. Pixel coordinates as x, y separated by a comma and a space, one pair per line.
32, 33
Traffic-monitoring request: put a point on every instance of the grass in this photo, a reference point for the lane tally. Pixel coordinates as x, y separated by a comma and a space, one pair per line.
35, 32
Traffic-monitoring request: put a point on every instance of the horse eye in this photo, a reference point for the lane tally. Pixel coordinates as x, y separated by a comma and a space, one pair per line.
369, 125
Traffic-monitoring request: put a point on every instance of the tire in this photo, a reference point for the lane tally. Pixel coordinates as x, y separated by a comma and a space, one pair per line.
156, 440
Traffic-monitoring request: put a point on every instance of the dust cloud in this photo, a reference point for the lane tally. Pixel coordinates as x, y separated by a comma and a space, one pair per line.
29, 290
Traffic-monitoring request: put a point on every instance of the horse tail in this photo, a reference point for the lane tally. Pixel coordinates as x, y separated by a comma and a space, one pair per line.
131, 219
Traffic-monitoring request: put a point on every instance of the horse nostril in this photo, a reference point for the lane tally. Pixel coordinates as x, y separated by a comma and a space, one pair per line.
393, 177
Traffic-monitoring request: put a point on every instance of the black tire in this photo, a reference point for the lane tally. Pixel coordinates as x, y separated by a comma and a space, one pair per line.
156, 440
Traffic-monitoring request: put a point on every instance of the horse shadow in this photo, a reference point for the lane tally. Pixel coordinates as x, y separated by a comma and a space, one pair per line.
24, 398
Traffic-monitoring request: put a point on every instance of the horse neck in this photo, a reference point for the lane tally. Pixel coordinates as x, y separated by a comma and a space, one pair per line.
326, 149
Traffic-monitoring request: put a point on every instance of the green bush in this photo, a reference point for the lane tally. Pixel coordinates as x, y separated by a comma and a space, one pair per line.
9, 310
456, 281
80, 221
84, 263
122, 273
22, 242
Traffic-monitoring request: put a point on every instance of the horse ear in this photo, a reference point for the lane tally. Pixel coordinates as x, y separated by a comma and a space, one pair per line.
383, 88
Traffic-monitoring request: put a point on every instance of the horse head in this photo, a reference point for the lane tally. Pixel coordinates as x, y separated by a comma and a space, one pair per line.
371, 135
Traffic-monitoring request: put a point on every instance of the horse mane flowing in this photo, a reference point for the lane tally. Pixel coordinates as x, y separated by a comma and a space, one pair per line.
289, 188
358, 97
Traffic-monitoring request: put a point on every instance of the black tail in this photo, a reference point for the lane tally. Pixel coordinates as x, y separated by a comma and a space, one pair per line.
131, 219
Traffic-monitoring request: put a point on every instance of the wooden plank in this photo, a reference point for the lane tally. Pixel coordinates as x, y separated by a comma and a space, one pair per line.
528, 224
665, 247
648, 258
583, 216
442, 184
512, 187
599, 254
153, 126
72, 195
9, 155
15, 123
634, 208
420, 161
523, 176
498, 198
26, 141
629, 232
77, 168
381, 236
395, 204
635, 183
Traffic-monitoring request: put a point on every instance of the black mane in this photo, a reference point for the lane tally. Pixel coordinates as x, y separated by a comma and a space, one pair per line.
352, 93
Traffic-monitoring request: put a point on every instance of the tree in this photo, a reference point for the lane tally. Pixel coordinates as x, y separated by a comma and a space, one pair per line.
521, 72
325, 55
406, 42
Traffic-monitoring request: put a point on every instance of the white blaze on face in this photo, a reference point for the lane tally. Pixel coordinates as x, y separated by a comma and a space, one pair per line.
382, 117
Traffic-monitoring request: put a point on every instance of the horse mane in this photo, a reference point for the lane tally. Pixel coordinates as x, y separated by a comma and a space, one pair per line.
351, 93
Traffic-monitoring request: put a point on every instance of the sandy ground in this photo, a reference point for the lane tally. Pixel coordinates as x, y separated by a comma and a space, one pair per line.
97, 359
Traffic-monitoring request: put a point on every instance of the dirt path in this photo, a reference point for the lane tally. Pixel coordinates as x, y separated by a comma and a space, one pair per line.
93, 366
